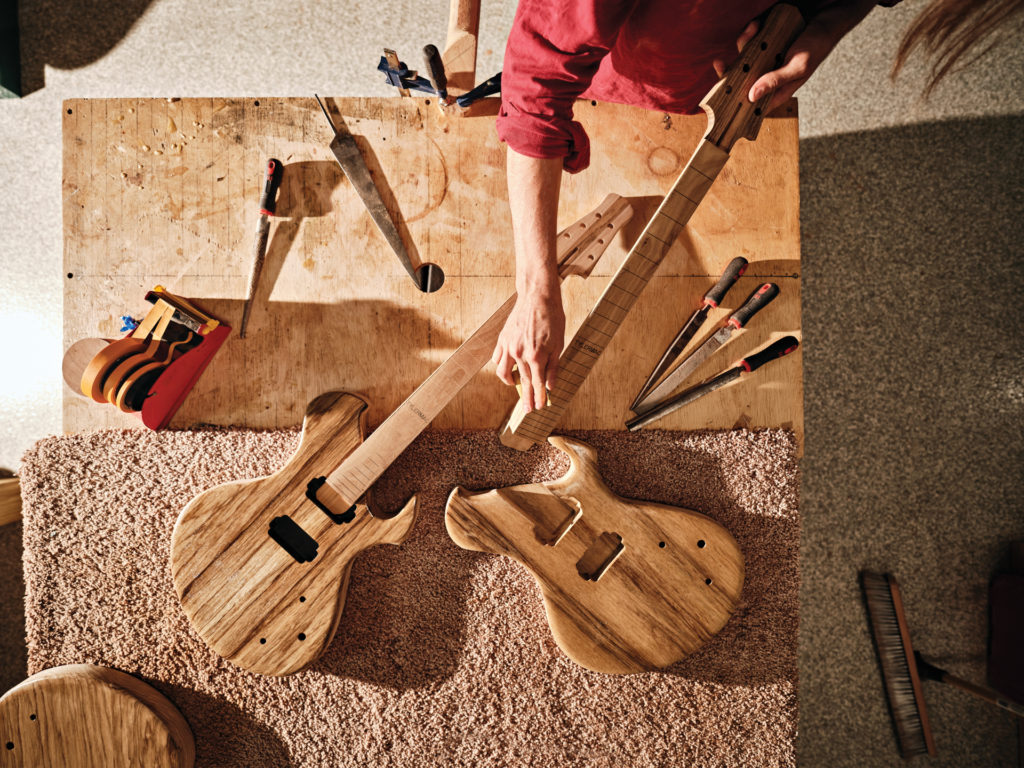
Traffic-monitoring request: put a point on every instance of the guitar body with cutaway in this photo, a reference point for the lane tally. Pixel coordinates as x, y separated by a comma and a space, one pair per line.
261, 568
628, 585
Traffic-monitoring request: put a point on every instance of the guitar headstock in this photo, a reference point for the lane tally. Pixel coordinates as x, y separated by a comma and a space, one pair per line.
730, 115
593, 234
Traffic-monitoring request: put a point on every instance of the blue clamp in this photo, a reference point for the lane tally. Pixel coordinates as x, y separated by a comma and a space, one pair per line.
486, 88
403, 77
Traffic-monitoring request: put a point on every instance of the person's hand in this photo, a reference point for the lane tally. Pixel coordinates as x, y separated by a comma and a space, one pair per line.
826, 28
532, 340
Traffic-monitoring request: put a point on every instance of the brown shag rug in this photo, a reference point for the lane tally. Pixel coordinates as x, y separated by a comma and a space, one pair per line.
443, 657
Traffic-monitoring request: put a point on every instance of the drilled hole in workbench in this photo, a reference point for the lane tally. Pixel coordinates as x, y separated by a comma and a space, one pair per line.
593, 103
10, 745
256, 103
302, 599
69, 111
757, 111
746, 67
302, 635
764, 46
728, 89
707, 581
427, 101
263, 641
661, 544
429, 277
31, 717
701, 543
70, 275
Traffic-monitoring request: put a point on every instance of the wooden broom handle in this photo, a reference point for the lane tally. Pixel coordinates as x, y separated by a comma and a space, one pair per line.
459, 55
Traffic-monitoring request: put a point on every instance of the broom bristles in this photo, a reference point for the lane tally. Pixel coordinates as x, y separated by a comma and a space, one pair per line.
896, 657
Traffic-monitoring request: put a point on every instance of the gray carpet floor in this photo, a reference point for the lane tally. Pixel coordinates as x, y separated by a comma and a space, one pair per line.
911, 226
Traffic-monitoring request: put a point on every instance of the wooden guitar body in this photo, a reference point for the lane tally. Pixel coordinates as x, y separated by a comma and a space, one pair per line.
260, 568
628, 585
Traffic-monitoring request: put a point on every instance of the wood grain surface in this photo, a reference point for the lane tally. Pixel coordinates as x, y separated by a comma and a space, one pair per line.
270, 601
91, 717
602, 322
627, 585
246, 595
161, 191
10, 500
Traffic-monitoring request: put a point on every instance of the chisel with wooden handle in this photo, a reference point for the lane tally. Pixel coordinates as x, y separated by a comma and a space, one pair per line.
712, 298
268, 204
779, 348
757, 301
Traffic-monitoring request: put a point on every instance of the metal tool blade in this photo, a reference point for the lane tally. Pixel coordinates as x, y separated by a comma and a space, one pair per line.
678, 345
678, 375
259, 254
683, 398
352, 163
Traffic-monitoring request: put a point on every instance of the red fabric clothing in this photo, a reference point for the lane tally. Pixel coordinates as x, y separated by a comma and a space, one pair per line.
650, 53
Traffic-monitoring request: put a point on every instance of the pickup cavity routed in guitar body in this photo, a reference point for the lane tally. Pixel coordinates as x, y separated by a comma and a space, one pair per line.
628, 585
261, 567
251, 589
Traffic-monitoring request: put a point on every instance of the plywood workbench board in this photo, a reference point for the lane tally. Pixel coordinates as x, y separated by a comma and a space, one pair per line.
161, 191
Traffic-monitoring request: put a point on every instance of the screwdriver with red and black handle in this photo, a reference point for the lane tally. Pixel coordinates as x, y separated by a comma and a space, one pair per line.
712, 299
778, 348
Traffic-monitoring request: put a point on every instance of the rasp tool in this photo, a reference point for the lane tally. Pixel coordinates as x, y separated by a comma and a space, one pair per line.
712, 298
268, 205
757, 301
779, 348
427, 277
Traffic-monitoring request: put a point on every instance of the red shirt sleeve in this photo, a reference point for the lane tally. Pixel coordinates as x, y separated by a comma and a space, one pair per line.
553, 52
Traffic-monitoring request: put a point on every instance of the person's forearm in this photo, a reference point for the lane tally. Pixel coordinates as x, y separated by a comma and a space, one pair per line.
533, 186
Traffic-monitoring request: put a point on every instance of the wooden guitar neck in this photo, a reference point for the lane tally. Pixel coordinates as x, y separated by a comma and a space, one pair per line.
580, 246
730, 118
523, 430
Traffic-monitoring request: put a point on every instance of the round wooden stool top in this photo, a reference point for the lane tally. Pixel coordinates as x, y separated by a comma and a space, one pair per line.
89, 716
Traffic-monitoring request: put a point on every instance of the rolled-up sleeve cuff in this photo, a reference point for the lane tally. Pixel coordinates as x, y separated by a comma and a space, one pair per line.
545, 136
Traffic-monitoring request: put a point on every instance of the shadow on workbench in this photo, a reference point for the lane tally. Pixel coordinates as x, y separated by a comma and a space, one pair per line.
913, 277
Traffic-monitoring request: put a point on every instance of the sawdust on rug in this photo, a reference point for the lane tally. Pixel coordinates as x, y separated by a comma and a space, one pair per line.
443, 656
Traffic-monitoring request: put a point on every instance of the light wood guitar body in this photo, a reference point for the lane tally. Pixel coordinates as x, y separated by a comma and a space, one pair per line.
628, 585
251, 600
85, 716
261, 567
